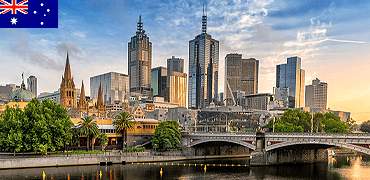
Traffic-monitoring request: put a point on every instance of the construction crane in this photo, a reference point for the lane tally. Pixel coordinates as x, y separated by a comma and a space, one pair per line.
232, 95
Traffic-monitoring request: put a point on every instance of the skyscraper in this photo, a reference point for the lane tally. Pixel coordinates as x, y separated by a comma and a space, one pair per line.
292, 76
159, 82
32, 84
317, 94
114, 87
203, 69
174, 64
177, 88
240, 75
140, 62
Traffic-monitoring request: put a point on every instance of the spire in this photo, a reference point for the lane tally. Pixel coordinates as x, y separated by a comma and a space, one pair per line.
82, 95
67, 70
139, 26
23, 86
100, 97
204, 21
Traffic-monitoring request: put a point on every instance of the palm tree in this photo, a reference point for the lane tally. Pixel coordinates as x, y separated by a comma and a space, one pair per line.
87, 127
123, 122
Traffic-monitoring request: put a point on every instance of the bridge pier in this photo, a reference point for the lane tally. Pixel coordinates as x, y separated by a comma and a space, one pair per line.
289, 156
221, 149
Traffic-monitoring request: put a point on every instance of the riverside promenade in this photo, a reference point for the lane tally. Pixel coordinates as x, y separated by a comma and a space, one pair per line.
97, 159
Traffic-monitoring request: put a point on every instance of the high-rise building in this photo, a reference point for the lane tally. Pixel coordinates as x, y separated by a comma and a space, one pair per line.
203, 69
140, 62
281, 97
67, 88
240, 75
159, 82
32, 84
174, 64
177, 89
292, 76
317, 94
114, 87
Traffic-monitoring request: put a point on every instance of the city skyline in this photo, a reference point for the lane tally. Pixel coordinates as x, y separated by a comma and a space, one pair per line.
330, 37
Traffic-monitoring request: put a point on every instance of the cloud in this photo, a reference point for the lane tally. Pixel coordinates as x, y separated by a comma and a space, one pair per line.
73, 51
22, 49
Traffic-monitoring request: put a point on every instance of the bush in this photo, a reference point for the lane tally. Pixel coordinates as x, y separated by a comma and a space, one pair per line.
134, 149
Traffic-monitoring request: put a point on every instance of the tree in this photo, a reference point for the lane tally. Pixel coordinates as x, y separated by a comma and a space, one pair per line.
11, 131
318, 121
88, 127
103, 140
40, 127
365, 126
122, 122
333, 126
167, 135
297, 118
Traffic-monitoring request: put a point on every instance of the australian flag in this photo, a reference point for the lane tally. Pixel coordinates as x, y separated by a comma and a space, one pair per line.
28, 13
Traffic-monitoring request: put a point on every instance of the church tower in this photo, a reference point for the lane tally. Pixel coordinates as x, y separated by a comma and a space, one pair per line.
100, 106
67, 88
82, 105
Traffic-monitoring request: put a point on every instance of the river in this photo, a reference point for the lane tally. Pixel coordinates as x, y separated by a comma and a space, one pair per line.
341, 167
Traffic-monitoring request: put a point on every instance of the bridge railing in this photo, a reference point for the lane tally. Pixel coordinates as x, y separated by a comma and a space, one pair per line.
222, 133
319, 134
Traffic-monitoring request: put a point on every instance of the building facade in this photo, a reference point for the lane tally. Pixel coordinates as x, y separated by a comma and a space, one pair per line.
140, 62
258, 101
67, 88
292, 76
32, 84
115, 87
240, 75
177, 88
203, 69
317, 94
281, 97
174, 64
159, 82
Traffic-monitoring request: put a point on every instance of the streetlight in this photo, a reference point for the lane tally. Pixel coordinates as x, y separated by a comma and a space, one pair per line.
155, 149
273, 124
135, 144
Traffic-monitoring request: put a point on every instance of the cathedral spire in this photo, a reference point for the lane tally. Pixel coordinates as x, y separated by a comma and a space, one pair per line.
82, 95
100, 97
67, 70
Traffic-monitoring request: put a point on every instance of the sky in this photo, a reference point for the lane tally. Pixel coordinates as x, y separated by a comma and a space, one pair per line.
331, 36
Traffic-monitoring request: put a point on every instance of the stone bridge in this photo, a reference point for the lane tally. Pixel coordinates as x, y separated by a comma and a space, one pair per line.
277, 148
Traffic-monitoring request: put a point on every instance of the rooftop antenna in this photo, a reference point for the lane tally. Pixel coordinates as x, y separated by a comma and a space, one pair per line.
204, 21
139, 25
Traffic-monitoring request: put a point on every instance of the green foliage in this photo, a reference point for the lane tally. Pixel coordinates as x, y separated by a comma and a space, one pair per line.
298, 121
122, 122
365, 126
134, 149
39, 128
103, 140
167, 135
333, 126
88, 127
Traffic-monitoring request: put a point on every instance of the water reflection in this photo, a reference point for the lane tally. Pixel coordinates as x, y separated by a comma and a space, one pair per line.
342, 167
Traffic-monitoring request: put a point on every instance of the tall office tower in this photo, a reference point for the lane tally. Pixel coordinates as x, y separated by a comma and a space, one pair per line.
177, 88
115, 87
32, 84
67, 88
203, 69
174, 64
240, 75
159, 82
140, 62
292, 76
317, 94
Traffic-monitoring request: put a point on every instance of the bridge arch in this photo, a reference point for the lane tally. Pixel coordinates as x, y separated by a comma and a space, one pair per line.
293, 143
242, 143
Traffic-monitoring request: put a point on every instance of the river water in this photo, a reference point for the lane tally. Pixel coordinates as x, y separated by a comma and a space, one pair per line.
342, 167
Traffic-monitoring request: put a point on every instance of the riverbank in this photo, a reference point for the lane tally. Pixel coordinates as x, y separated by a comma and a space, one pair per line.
59, 161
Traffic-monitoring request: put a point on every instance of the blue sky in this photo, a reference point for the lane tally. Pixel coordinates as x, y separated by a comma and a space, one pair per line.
331, 37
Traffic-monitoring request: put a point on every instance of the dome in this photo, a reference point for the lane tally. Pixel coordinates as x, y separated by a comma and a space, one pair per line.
21, 95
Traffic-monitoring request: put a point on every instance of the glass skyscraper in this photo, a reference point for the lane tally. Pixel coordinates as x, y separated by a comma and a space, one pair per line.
292, 76
140, 62
159, 82
203, 69
115, 87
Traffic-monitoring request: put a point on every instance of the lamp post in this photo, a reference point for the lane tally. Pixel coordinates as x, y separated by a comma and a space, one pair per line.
311, 121
134, 144
155, 149
273, 124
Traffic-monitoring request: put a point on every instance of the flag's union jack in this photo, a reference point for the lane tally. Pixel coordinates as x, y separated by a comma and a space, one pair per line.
13, 6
